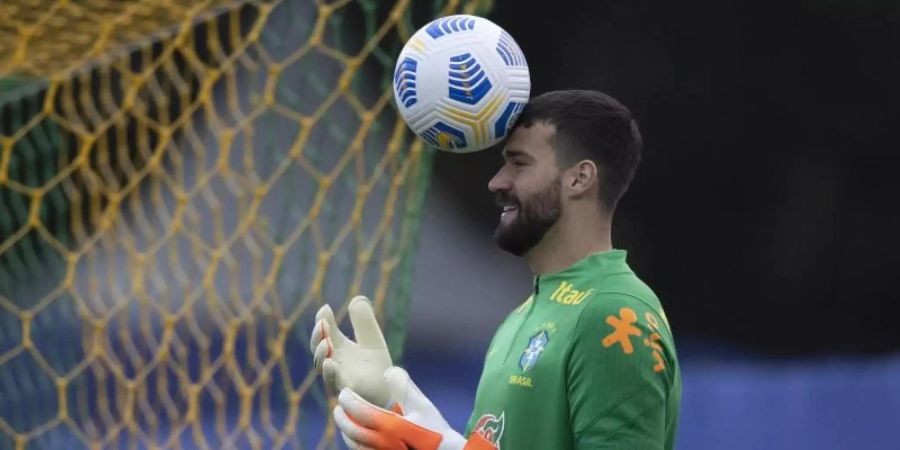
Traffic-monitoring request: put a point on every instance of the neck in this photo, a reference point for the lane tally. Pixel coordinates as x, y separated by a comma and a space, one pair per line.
573, 237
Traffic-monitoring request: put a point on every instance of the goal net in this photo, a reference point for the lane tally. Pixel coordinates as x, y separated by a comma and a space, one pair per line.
183, 183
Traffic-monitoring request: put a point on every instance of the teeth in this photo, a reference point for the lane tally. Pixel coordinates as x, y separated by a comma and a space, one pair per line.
508, 208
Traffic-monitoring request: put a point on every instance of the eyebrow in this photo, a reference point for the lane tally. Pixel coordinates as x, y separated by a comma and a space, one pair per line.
515, 153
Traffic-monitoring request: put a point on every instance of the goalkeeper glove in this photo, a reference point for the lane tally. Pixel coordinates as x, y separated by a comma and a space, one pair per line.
344, 363
413, 423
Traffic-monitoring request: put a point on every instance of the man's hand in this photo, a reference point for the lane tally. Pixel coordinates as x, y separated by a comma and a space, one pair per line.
344, 363
412, 423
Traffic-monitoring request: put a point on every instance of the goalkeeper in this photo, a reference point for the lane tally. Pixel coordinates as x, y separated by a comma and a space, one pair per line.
588, 361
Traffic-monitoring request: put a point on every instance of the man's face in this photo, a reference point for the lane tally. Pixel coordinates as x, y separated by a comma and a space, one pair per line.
527, 187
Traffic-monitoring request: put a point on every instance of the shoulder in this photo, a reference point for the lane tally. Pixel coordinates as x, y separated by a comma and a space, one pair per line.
638, 302
621, 290
628, 322
626, 331
605, 308
624, 304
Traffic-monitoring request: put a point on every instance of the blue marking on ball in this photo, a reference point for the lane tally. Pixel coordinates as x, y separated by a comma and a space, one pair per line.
468, 82
507, 119
405, 81
509, 51
449, 25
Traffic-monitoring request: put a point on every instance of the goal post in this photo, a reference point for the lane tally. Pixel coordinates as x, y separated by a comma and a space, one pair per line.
182, 185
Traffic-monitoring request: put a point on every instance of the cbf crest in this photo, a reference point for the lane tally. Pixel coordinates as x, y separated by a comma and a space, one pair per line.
536, 346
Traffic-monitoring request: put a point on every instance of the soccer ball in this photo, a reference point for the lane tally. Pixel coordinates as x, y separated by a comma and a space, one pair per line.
461, 82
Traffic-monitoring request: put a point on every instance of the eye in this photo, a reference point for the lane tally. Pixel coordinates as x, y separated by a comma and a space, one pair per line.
518, 163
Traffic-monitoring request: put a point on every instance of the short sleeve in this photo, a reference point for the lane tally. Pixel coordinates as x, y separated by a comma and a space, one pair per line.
618, 375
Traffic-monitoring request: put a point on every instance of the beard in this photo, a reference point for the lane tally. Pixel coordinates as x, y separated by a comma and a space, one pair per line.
534, 216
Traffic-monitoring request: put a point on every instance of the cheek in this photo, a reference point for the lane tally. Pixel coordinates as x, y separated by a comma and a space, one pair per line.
534, 180
531, 176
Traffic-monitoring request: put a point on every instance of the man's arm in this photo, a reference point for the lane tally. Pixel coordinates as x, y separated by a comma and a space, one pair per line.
619, 377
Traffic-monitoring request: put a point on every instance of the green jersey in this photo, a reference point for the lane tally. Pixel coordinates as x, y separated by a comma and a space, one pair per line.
586, 362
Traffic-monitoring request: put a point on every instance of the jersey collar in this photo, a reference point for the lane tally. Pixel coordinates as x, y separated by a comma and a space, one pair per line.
592, 265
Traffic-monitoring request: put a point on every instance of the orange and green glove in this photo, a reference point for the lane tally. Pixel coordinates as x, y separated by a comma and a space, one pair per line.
413, 423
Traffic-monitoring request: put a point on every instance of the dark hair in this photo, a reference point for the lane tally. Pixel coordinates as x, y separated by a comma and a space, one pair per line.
591, 125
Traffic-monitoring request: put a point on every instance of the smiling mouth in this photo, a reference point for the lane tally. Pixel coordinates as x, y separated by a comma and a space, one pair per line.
508, 210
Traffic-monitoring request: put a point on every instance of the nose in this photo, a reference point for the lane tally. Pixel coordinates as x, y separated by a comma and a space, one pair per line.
500, 182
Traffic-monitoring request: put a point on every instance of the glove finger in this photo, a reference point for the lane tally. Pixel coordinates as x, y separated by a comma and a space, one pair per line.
391, 426
317, 335
353, 445
330, 375
326, 327
365, 326
323, 351
406, 394
358, 435
398, 381
363, 412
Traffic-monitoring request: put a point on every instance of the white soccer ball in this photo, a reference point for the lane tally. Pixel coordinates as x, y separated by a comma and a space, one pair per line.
461, 82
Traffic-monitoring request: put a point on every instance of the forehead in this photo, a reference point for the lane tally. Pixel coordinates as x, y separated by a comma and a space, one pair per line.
535, 141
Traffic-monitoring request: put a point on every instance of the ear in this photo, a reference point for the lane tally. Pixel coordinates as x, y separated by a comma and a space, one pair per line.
581, 178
